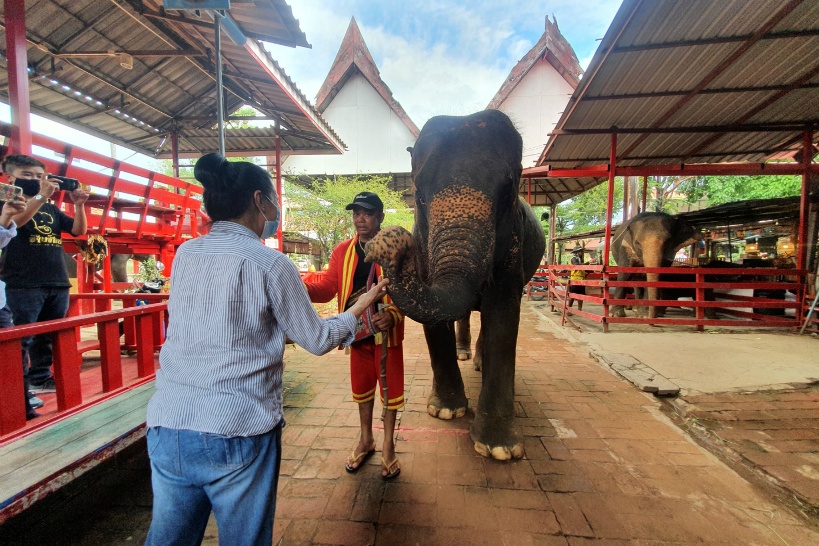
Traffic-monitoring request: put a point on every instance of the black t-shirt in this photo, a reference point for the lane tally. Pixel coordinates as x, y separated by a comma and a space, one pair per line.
34, 258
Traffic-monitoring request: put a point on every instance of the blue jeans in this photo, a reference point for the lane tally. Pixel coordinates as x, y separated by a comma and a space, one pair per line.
29, 305
192, 472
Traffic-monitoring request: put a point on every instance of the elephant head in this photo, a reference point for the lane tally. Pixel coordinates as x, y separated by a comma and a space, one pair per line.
465, 172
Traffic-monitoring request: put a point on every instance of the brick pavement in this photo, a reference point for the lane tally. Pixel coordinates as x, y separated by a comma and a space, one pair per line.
603, 464
773, 432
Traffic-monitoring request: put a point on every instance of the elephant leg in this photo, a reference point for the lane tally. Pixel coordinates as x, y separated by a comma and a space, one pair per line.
619, 293
463, 339
493, 431
478, 362
448, 398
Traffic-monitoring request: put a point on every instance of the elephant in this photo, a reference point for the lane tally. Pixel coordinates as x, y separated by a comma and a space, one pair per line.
474, 246
649, 239
463, 342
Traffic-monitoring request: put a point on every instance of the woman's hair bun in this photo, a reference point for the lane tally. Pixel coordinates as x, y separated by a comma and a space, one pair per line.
214, 172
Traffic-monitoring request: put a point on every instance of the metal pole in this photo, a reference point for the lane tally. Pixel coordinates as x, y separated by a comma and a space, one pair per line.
550, 256
175, 151
804, 205
220, 110
626, 198
610, 198
645, 190
279, 189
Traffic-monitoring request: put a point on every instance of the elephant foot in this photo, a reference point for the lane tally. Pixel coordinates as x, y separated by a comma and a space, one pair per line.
477, 363
496, 438
617, 311
464, 354
443, 410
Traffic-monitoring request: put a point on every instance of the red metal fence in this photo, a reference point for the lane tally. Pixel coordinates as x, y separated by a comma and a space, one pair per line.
739, 296
143, 328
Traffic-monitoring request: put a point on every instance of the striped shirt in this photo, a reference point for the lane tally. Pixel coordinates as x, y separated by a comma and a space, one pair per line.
232, 303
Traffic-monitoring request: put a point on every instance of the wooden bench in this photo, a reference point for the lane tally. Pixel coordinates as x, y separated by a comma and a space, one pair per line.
42, 462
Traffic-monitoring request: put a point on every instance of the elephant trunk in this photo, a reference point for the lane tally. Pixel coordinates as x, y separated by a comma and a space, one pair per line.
452, 261
653, 250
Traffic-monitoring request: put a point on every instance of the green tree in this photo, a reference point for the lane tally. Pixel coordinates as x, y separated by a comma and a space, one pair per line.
316, 207
588, 210
726, 189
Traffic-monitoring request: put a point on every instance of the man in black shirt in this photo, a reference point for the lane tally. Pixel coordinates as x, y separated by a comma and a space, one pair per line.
32, 264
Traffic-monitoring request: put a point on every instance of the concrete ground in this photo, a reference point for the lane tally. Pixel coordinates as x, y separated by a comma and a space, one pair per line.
605, 463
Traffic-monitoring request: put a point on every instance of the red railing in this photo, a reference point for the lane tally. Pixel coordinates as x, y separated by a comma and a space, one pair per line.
712, 288
137, 210
144, 327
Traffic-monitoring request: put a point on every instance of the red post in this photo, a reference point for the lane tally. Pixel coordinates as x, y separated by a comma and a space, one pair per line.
12, 408
607, 239
110, 359
17, 59
610, 198
145, 345
167, 251
66, 369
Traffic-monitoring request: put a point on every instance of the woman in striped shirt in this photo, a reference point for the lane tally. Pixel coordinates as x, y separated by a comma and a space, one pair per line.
214, 423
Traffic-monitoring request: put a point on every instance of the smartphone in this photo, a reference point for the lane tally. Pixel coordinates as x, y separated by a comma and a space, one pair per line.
10, 193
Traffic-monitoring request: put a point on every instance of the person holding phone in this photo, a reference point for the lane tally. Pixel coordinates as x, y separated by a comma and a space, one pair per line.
32, 264
13, 203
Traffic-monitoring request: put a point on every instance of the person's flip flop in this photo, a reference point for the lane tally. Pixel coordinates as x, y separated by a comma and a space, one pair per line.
385, 466
358, 460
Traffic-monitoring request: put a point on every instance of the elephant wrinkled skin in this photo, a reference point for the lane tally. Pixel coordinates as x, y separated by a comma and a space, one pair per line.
474, 246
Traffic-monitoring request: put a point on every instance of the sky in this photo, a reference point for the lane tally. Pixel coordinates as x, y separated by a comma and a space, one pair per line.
437, 56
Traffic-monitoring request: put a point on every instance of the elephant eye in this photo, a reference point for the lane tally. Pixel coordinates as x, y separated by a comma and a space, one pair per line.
420, 200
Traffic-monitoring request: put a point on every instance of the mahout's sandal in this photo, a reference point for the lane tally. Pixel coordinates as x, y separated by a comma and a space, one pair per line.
385, 466
359, 460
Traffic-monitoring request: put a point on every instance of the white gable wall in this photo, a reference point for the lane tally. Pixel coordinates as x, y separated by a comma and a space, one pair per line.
535, 106
376, 138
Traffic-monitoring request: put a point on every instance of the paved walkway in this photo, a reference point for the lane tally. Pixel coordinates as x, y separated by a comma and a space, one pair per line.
602, 462
605, 463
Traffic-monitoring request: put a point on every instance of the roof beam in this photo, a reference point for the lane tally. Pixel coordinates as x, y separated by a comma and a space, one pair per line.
718, 40
796, 84
132, 53
737, 128
721, 67
723, 90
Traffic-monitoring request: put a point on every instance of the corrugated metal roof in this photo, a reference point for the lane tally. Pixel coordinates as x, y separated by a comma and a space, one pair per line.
77, 77
701, 81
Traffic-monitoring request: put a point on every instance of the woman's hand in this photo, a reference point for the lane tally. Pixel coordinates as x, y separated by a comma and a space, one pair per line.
375, 293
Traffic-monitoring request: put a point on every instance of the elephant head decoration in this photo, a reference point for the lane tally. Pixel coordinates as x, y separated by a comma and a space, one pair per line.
649, 239
474, 246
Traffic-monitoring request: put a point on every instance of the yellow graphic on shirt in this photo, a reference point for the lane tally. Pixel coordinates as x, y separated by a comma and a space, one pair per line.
42, 225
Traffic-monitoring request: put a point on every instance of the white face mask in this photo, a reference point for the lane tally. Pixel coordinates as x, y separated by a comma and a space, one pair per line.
270, 226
